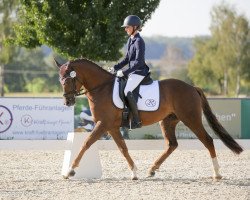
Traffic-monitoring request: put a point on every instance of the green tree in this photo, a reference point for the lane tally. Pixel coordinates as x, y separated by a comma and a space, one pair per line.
7, 10
21, 67
241, 51
28, 72
201, 67
226, 54
222, 20
37, 85
80, 28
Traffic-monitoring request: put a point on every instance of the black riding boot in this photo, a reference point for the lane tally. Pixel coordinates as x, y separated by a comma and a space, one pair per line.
136, 122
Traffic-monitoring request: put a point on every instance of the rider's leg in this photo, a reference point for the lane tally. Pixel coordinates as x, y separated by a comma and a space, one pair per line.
132, 83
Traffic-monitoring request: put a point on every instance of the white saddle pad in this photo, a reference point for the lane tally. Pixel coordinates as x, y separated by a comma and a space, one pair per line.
150, 96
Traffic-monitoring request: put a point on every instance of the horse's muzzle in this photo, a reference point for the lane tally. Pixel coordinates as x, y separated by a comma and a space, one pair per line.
69, 101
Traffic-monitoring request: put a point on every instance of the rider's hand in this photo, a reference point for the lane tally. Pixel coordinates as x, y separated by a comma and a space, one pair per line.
119, 73
111, 70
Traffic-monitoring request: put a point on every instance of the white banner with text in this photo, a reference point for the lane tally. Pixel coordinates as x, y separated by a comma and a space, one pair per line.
35, 118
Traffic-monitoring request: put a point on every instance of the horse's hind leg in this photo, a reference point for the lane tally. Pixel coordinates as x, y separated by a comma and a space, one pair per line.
168, 131
116, 134
207, 140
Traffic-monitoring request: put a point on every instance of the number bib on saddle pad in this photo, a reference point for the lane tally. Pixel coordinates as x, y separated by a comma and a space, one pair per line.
150, 96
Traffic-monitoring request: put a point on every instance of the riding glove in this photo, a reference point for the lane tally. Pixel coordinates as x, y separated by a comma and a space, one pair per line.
119, 73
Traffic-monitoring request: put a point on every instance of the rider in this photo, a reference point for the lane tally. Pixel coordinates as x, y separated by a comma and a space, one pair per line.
135, 58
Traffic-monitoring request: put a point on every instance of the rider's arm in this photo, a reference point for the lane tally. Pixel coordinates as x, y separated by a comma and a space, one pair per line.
122, 63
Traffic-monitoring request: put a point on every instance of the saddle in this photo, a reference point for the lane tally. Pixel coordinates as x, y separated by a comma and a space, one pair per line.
126, 111
122, 84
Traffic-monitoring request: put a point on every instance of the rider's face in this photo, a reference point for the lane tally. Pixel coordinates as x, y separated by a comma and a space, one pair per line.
129, 30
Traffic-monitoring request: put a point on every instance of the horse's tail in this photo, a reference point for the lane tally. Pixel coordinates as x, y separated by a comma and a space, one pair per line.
218, 129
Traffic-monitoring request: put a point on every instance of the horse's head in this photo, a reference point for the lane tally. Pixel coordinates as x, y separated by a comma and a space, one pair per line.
68, 79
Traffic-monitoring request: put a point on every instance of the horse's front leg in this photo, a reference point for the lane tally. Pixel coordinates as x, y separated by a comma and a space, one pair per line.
116, 134
93, 137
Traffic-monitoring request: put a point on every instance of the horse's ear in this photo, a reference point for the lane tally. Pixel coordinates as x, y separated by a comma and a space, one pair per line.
57, 63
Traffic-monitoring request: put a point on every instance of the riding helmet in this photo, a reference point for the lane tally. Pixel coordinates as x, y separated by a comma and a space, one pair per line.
132, 20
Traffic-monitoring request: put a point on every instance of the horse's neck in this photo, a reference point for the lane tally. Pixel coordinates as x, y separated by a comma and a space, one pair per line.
94, 76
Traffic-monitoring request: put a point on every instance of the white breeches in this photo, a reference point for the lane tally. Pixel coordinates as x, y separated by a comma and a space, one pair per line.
132, 83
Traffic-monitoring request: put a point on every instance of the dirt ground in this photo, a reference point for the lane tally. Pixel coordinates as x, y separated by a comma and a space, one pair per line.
186, 174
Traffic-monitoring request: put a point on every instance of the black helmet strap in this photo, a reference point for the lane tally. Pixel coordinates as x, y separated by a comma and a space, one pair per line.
134, 29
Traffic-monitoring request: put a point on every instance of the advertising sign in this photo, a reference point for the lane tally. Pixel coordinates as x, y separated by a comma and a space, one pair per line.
35, 118
227, 112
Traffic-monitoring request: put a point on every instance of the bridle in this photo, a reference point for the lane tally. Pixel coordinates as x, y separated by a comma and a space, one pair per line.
70, 96
73, 92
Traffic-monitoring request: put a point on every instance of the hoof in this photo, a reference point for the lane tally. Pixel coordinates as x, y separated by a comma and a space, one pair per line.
151, 174
65, 177
70, 173
134, 178
218, 177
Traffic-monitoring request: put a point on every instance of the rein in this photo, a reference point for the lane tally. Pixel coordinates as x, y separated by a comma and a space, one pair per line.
93, 89
76, 93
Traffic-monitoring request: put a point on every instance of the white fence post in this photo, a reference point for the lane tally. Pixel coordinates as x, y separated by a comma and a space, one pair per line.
90, 165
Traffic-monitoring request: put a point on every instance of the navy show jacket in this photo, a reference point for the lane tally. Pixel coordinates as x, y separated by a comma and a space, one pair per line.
135, 57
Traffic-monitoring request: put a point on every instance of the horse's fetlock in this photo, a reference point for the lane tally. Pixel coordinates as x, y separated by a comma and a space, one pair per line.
154, 168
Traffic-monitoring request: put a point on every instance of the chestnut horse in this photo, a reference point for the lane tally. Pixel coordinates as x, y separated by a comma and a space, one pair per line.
178, 102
